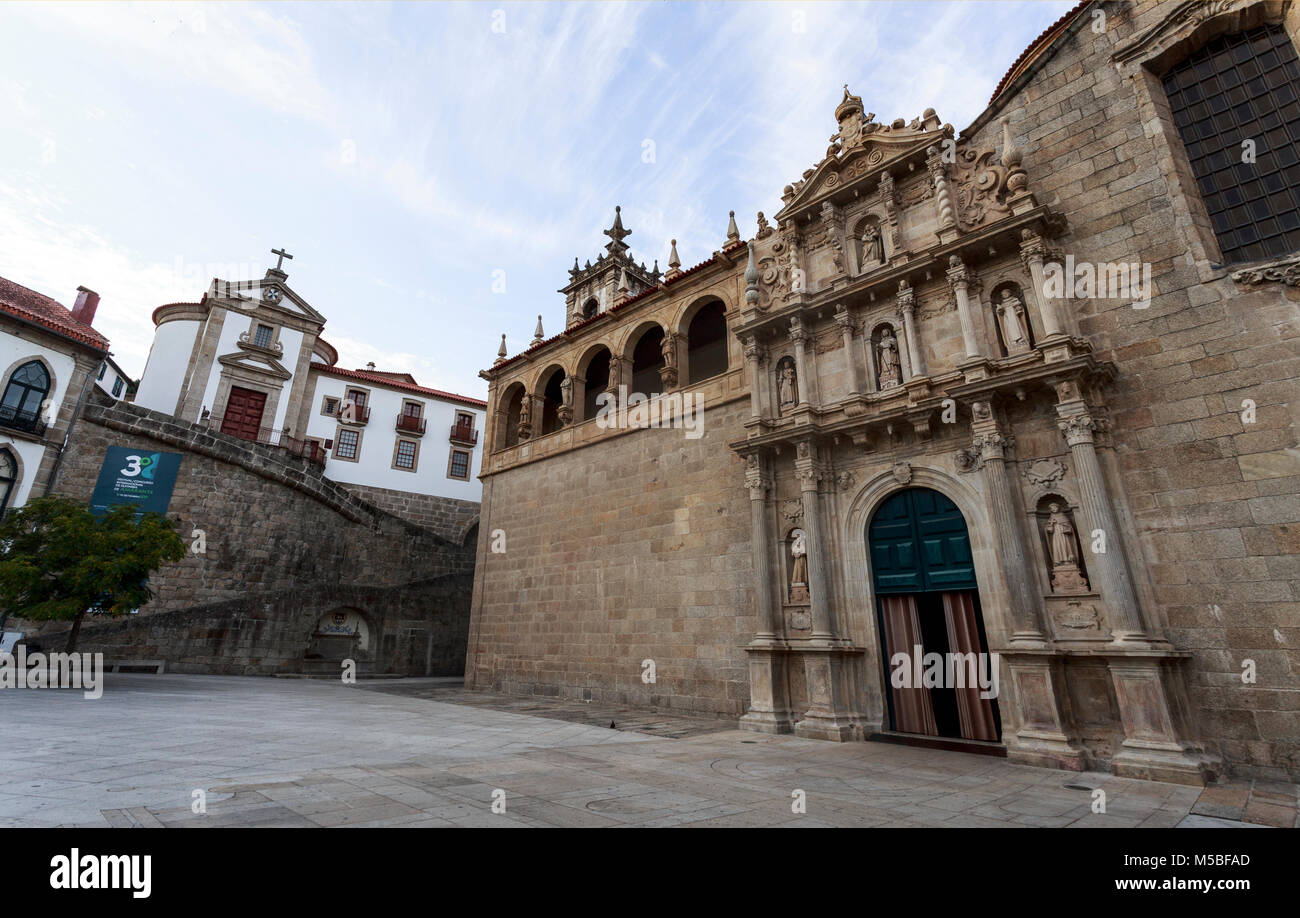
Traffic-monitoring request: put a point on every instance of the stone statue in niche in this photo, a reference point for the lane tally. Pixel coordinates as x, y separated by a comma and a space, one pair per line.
787, 385
1011, 319
890, 373
565, 411
668, 372
798, 567
525, 429
1063, 549
873, 246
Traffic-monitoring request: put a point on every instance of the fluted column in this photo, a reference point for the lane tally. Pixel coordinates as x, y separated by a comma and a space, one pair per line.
991, 445
844, 319
799, 335
959, 281
907, 306
1032, 253
759, 484
809, 474
1106, 568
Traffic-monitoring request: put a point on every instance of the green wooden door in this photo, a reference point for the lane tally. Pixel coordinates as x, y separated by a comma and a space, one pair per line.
918, 542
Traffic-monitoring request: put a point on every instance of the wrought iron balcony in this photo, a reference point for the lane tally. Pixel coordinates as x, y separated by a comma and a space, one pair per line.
464, 433
411, 424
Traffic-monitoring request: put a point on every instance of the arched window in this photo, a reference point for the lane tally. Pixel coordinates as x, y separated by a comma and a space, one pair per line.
647, 361
706, 348
553, 399
1238, 89
597, 376
27, 388
590, 308
514, 409
8, 478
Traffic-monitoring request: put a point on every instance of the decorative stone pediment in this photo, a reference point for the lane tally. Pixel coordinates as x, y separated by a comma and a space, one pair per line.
849, 167
262, 364
267, 293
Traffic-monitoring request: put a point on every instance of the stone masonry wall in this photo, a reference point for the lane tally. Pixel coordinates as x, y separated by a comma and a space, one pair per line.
1215, 498
447, 516
283, 544
636, 547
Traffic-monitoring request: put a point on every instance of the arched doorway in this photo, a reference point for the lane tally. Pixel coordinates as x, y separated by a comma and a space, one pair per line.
940, 678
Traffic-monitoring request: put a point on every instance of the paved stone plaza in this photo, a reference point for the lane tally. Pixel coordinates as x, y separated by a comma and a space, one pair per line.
423, 752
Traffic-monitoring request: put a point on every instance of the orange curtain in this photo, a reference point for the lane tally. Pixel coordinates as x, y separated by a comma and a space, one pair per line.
913, 712
974, 712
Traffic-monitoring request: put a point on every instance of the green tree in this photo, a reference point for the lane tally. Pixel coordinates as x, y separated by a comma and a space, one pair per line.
59, 561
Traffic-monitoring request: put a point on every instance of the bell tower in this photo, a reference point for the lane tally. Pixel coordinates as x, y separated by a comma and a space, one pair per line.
614, 277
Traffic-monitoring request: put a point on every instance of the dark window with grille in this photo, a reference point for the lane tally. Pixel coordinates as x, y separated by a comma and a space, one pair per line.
405, 454
459, 464
347, 445
117, 387
262, 337
1244, 87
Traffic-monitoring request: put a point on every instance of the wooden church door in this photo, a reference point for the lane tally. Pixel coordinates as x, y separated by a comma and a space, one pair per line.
927, 598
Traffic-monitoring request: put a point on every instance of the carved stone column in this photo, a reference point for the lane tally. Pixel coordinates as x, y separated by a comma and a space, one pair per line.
907, 307
1032, 253
1106, 569
757, 380
959, 281
890, 201
844, 319
808, 471
942, 194
807, 380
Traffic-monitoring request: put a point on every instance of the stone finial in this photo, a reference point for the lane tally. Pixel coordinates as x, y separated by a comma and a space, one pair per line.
617, 234
733, 231
1017, 179
674, 263
751, 280
623, 287
575, 270
539, 335
501, 352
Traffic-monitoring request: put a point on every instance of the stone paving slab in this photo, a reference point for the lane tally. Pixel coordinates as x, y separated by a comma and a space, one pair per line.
270, 752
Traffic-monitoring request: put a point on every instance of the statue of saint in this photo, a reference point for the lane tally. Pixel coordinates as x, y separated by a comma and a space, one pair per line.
873, 248
1060, 538
798, 567
787, 388
1011, 316
890, 373
566, 392
668, 348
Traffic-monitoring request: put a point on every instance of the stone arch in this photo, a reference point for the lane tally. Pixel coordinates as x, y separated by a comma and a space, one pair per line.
11, 477
703, 339
467, 536
49, 392
642, 351
591, 377
341, 633
548, 392
590, 308
508, 414
860, 592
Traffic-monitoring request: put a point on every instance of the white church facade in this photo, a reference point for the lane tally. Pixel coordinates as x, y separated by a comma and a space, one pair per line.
248, 360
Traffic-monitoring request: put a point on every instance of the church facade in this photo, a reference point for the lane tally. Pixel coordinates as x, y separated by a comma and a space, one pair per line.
1017, 403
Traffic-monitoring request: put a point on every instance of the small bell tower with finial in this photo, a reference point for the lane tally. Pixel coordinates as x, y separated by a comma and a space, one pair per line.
614, 277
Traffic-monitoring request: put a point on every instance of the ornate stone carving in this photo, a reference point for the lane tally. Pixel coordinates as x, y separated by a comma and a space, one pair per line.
764, 229
968, 460
981, 184
903, 472
1044, 472
792, 511
1285, 271
845, 480
1077, 429
1078, 616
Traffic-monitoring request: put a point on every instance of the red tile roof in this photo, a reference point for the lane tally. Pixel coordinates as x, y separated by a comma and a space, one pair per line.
1037, 47
383, 379
39, 309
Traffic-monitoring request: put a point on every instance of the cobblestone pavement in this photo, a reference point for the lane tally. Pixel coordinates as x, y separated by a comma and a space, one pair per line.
285, 752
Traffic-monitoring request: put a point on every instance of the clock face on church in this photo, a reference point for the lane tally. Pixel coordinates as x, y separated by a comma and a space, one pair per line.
272, 294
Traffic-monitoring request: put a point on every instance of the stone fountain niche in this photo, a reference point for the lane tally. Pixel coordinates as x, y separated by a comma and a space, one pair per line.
340, 634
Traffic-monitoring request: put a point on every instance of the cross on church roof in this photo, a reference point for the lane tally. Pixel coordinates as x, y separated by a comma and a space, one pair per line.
283, 255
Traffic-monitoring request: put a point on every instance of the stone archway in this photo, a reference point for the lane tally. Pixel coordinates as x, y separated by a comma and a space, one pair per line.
339, 634
942, 681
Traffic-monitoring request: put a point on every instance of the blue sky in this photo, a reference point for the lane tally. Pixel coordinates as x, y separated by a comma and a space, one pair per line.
405, 152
